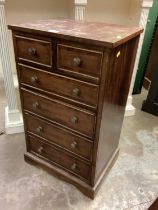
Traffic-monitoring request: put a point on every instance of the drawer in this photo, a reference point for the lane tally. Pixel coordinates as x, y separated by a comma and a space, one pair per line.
79, 120
59, 136
73, 89
79, 61
34, 50
52, 154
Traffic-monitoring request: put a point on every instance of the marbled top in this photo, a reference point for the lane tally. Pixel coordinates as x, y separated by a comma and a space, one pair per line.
108, 35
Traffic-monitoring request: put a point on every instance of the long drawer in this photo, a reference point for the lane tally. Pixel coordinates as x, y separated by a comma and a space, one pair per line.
58, 136
80, 120
63, 86
72, 164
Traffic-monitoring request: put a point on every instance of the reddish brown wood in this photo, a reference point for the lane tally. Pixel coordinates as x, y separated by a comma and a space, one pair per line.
33, 50
100, 34
103, 75
115, 89
60, 137
60, 158
89, 61
59, 112
146, 83
154, 205
60, 85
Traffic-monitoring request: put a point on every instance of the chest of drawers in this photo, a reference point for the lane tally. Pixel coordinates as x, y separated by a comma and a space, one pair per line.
74, 79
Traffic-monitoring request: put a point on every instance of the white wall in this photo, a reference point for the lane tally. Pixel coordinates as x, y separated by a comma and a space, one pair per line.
71, 10
110, 11
135, 12
27, 10
124, 12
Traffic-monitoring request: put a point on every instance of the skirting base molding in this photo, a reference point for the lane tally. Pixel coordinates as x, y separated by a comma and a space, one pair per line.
130, 109
13, 122
85, 188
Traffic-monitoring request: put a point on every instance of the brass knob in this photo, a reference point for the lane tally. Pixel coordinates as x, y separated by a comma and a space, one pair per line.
76, 61
76, 92
39, 129
73, 145
74, 167
34, 79
35, 105
31, 51
74, 119
40, 150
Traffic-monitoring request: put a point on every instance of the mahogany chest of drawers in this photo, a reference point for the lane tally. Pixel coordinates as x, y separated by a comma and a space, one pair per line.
74, 79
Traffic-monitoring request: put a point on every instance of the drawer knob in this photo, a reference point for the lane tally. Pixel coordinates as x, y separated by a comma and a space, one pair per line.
76, 61
73, 145
35, 105
74, 119
40, 150
74, 167
34, 79
76, 92
31, 51
39, 129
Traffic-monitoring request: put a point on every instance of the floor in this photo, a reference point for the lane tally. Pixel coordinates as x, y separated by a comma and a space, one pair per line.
132, 184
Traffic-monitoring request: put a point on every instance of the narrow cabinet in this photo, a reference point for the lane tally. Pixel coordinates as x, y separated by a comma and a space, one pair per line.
74, 86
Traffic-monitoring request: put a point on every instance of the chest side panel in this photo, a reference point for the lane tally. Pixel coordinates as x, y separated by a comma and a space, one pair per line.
116, 87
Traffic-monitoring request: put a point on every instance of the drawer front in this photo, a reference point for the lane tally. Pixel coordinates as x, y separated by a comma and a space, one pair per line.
74, 89
77, 119
61, 137
52, 154
79, 61
34, 50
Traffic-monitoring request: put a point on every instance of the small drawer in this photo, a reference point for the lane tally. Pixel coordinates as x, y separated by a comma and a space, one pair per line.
56, 135
52, 154
78, 61
34, 50
62, 86
80, 120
